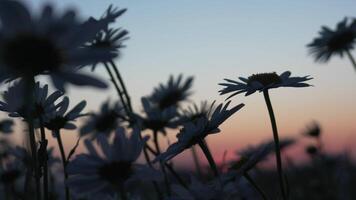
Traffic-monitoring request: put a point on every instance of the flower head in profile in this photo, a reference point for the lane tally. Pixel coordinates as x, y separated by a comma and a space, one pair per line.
251, 156
195, 131
195, 111
14, 101
6, 126
156, 119
262, 82
47, 44
61, 118
334, 42
100, 174
103, 123
313, 130
171, 94
110, 39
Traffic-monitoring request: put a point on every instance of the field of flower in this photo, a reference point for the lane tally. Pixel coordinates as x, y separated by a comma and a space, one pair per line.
61, 46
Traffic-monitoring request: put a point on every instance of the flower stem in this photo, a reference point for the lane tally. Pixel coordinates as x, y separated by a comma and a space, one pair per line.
351, 58
147, 158
158, 150
196, 161
121, 95
276, 143
209, 157
30, 85
45, 159
118, 76
64, 161
254, 184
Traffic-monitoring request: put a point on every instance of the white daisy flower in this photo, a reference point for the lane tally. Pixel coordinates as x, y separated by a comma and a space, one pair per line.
6, 126
262, 82
193, 112
110, 39
171, 94
15, 103
47, 44
195, 131
100, 175
156, 119
103, 123
334, 42
61, 119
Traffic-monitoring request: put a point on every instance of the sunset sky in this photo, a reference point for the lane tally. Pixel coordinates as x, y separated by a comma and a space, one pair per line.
213, 40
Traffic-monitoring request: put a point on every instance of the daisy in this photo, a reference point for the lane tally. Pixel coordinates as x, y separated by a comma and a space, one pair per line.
171, 94
156, 119
335, 42
110, 39
262, 82
103, 123
61, 118
15, 103
313, 130
98, 175
6, 126
195, 111
194, 132
47, 44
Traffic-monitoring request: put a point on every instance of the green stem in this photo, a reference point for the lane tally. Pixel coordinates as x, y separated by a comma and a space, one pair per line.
118, 75
276, 143
351, 58
254, 184
45, 157
117, 88
64, 161
196, 161
158, 150
209, 157
147, 158
29, 95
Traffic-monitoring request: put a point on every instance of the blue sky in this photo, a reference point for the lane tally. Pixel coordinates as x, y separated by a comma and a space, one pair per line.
213, 40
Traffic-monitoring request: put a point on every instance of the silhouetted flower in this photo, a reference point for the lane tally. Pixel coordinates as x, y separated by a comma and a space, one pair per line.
47, 44
175, 91
251, 150
93, 175
157, 119
110, 39
195, 131
193, 112
14, 101
61, 119
311, 150
334, 42
313, 130
104, 122
6, 126
261, 82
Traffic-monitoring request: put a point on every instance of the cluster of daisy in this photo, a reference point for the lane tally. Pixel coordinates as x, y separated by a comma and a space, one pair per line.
59, 46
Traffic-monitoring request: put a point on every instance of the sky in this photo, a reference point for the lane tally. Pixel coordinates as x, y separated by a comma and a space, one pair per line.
213, 40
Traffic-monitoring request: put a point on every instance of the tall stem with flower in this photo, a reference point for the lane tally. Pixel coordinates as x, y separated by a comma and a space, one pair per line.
44, 157
276, 142
29, 94
64, 161
209, 157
